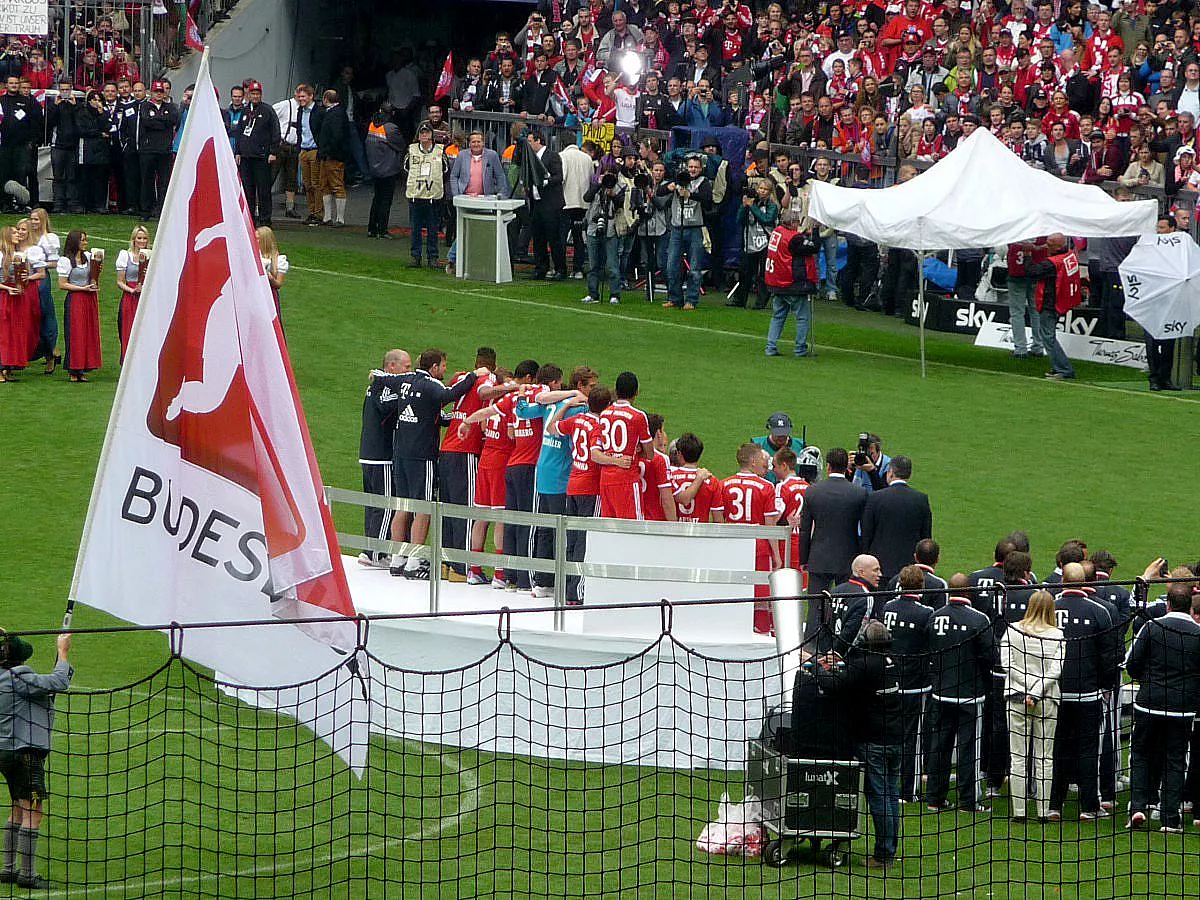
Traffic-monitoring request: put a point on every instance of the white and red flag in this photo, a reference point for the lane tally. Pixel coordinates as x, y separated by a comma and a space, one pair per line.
563, 95
191, 35
445, 80
208, 505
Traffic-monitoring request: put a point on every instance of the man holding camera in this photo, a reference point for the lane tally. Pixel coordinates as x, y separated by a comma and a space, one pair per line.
603, 197
870, 463
688, 195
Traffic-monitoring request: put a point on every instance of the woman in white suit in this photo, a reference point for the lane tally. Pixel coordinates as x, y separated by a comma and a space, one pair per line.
1031, 653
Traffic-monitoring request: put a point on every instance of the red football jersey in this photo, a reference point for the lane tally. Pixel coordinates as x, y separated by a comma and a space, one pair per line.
749, 499
468, 403
497, 443
582, 433
623, 430
527, 433
710, 497
654, 475
791, 496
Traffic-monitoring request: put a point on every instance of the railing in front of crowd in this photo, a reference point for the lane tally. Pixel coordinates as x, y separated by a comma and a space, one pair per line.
501, 129
559, 566
131, 25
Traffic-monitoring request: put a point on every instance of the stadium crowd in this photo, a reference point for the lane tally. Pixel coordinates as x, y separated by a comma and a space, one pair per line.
986, 662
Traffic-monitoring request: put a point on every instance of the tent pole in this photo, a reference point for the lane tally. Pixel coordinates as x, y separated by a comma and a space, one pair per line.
921, 304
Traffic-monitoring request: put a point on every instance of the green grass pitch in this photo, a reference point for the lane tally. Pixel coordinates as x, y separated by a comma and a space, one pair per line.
171, 777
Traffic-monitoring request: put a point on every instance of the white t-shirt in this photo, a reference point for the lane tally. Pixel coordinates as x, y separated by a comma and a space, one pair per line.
626, 102
283, 265
50, 246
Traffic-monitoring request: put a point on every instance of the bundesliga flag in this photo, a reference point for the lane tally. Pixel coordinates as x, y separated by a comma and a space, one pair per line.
446, 79
208, 505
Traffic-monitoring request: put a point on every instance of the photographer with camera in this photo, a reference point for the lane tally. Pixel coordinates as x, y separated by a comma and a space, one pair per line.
603, 197
689, 194
869, 463
756, 217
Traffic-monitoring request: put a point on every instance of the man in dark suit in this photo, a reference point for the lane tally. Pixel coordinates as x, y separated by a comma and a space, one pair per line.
829, 532
543, 169
895, 519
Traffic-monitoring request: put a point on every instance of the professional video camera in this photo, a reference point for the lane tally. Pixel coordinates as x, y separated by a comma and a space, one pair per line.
864, 444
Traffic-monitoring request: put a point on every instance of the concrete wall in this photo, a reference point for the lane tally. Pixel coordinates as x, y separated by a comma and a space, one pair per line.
273, 41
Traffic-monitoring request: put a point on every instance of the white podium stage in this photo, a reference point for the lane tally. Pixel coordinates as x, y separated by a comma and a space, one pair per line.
629, 696
482, 253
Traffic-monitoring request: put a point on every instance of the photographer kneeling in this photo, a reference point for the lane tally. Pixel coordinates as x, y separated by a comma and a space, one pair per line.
603, 197
867, 688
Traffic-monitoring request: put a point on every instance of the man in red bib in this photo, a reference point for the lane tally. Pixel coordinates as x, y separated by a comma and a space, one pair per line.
1057, 292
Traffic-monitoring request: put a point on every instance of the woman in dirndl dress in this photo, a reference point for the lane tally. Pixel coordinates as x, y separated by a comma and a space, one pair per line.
274, 263
130, 265
41, 233
78, 276
14, 349
35, 274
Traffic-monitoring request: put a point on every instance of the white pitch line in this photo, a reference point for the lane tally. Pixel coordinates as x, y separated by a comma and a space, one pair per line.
480, 293
469, 803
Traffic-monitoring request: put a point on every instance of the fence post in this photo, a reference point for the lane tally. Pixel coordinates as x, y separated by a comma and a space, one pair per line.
435, 556
560, 571
790, 611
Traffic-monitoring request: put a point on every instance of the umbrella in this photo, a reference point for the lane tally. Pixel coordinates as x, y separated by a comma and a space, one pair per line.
1161, 279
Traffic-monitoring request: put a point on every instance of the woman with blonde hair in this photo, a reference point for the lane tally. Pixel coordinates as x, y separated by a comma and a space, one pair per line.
274, 263
131, 269
14, 353
1031, 654
34, 269
42, 234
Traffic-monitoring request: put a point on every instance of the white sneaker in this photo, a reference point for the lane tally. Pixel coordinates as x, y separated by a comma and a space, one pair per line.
364, 559
614, 300
542, 593
474, 578
578, 276
589, 299
499, 584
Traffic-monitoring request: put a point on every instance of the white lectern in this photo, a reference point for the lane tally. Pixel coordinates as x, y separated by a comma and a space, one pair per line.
482, 253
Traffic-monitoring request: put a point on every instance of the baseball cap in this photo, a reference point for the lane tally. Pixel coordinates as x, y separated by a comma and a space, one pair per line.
425, 126
779, 424
1096, 133
710, 142
1184, 151
912, 34
930, 49
158, 85
254, 86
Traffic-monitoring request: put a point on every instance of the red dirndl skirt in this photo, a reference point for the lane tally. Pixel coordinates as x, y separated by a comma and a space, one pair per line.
82, 310
125, 313
14, 330
33, 305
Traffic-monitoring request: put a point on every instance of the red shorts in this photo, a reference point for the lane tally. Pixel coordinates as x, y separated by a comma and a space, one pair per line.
489, 488
621, 501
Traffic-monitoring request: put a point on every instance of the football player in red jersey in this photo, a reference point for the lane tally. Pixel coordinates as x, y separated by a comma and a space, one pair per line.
624, 438
751, 500
699, 497
583, 487
658, 499
458, 461
790, 489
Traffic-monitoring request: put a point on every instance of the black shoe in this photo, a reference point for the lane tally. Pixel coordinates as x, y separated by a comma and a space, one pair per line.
557, 276
421, 573
538, 276
291, 214
1155, 386
1170, 386
337, 224
33, 882
8, 877
734, 304
396, 571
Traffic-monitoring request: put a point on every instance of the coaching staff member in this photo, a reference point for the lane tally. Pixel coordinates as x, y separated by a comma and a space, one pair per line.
895, 520
26, 720
420, 396
375, 447
1165, 661
257, 143
829, 533
543, 172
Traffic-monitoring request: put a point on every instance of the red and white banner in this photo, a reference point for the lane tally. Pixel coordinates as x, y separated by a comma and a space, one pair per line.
208, 505
563, 95
192, 37
445, 80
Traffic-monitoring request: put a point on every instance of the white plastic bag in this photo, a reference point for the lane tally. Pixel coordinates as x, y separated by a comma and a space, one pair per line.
737, 830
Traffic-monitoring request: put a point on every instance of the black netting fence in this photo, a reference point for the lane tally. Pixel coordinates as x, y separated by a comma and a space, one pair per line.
999, 761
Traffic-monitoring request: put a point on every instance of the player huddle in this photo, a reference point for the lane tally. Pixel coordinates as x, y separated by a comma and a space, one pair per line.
531, 440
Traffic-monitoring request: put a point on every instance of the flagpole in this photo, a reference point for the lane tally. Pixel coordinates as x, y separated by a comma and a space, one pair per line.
202, 75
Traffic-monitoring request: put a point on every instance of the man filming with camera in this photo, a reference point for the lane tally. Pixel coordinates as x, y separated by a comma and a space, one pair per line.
689, 195
603, 197
869, 463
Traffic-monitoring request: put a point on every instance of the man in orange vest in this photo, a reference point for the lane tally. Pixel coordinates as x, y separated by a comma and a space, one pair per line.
1057, 292
792, 277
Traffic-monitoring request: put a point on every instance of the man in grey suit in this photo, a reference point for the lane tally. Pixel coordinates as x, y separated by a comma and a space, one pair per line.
895, 520
482, 164
26, 722
829, 532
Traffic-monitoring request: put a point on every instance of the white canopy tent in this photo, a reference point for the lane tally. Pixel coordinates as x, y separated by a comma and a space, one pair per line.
981, 195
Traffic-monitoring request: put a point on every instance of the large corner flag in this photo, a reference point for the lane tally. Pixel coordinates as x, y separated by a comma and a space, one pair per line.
208, 505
